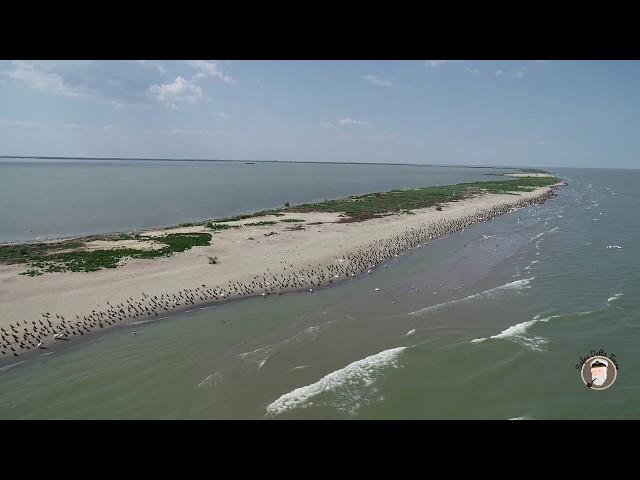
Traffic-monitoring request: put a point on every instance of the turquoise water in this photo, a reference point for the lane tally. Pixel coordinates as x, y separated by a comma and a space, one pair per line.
539, 293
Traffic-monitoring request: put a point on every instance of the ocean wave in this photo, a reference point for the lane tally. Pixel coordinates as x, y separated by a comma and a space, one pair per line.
11, 365
518, 332
487, 294
211, 380
615, 297
345, 384
261, 355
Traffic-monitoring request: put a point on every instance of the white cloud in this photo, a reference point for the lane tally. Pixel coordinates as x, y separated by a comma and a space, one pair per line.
222, 115
119, 84
109, 128
177, 91
473, 71
71, 126
521, 72
32, 75
327, 125
208, 69
436, 63
499, 73
381, 82
356, 123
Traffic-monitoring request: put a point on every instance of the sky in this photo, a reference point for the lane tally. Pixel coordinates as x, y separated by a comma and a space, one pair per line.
509, 113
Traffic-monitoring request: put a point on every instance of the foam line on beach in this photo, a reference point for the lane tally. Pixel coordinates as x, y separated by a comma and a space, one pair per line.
343, 382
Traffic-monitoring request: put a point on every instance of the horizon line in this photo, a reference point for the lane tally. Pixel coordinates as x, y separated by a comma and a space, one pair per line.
50, 157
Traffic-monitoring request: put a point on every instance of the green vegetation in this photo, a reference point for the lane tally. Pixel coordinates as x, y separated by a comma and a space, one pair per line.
72, 256
124, 236
244, 216
374, 205
66, 256
220, 226
258, 224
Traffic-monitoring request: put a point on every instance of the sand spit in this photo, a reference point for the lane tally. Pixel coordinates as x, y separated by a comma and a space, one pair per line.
252, 260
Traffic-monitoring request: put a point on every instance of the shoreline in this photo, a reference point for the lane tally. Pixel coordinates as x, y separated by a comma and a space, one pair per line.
86, 303
107, 235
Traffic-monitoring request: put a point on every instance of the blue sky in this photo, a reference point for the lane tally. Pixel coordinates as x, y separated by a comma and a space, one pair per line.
520, 113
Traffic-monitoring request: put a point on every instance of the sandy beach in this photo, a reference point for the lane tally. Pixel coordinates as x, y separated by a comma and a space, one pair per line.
243, 254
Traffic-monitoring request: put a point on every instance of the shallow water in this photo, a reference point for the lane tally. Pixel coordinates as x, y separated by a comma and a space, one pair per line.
538, 294
42, 199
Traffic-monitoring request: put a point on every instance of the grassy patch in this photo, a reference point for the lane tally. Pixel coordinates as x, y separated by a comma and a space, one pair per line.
374, 205
258, 224
292, 220
213, 260
46, 258
220, 226
124, 236
244, 216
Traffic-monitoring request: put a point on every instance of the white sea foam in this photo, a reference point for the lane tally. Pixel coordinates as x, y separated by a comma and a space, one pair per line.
411, 332
344, 383
140, 322
7, 367
487, 294
211, 380
261, 355
615, 297
516, 333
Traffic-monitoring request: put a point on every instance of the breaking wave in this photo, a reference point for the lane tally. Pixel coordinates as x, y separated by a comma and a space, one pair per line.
346, 384
487, 294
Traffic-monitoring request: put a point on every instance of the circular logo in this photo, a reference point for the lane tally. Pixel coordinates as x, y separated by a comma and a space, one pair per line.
598, 372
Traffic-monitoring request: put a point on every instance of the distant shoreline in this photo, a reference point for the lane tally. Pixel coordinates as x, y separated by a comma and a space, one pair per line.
36, 157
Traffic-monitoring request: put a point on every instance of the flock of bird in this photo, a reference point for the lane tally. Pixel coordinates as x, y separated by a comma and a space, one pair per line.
34, 334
